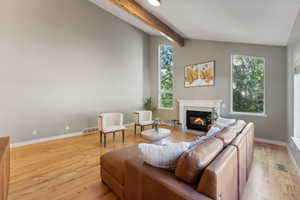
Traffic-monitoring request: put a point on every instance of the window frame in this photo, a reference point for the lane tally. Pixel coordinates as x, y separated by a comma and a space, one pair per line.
160, 107
296, 135
264, 113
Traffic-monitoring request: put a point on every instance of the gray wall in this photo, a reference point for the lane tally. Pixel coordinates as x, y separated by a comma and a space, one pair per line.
293, 60
62, 63
273, 126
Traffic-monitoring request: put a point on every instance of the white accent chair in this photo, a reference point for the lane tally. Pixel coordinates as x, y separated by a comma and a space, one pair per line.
110, 123
142, 119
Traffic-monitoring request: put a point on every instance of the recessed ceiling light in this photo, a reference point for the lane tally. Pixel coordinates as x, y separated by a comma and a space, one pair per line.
155, 3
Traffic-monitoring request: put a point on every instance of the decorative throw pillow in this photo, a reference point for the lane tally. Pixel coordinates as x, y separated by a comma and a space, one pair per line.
163, 156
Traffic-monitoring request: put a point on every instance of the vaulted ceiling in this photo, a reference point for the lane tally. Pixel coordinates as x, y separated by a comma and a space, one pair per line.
247, 21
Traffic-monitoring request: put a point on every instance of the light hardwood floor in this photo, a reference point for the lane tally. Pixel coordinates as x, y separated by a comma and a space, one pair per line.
69, 169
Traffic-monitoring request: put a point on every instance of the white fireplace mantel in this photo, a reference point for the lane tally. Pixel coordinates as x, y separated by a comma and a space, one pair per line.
198, 105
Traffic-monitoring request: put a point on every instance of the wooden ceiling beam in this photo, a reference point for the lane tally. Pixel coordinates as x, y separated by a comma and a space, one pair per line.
141, 13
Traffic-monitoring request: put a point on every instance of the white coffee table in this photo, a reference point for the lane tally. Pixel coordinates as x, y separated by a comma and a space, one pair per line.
154, 136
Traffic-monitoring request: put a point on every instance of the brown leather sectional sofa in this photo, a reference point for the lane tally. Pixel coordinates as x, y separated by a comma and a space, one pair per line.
216, 169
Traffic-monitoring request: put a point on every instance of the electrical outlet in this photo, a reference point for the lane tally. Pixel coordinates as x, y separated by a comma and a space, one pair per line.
34, 132
67, 128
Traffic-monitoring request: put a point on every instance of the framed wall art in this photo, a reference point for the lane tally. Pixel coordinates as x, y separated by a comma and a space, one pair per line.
201, 74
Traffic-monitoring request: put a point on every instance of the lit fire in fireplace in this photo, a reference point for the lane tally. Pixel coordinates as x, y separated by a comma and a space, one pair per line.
199, 121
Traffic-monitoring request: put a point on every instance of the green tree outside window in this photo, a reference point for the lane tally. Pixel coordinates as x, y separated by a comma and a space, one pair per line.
165, 76
248, 89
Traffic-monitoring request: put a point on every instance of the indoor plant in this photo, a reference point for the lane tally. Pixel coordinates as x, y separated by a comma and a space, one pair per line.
149, 104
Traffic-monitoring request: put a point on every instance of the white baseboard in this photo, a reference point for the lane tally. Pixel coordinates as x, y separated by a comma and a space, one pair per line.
35, 141
276, 142
293, 160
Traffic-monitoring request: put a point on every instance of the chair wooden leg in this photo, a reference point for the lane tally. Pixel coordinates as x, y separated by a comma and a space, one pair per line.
104, 139
123, 136
142, 128
114, 136
100, 136
134, 129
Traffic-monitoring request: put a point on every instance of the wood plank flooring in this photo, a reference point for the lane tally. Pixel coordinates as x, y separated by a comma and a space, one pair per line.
69, 169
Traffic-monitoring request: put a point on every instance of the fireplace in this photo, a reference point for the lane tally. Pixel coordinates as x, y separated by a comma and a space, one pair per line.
198, 120
195, 107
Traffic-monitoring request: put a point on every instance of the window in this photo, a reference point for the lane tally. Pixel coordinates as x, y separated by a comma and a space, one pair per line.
165, 90
297, 103
248, 85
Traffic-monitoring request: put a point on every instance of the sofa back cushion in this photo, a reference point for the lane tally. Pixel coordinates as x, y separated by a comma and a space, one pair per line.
220, 177
192, 162
229, 133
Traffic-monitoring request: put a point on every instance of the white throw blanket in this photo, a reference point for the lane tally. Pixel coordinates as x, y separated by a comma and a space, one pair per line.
213, 131
224, 122
163, 156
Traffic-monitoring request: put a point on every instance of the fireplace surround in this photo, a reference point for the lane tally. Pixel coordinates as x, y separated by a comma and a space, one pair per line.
192, 107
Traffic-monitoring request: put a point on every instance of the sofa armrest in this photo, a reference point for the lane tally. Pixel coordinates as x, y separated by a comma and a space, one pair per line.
144, 182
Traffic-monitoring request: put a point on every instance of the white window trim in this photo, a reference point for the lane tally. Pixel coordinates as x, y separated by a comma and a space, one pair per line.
159, 90
249, 114
263, 114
